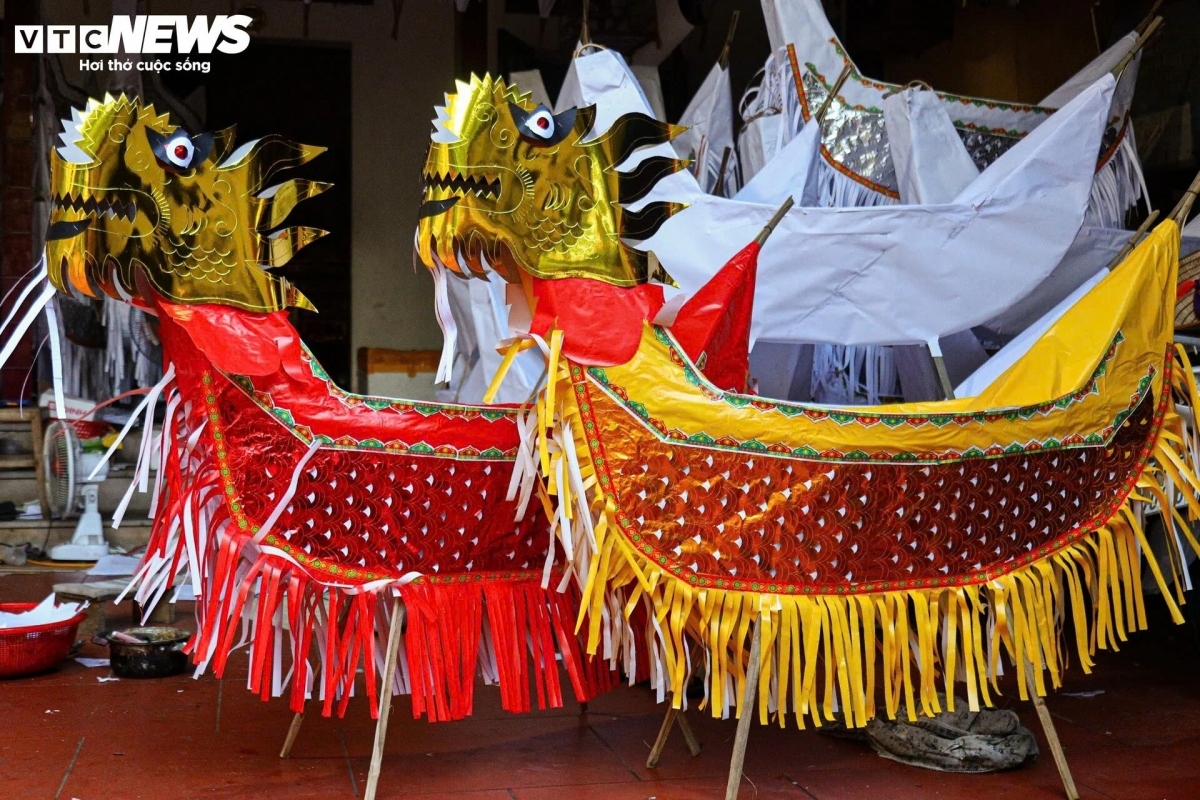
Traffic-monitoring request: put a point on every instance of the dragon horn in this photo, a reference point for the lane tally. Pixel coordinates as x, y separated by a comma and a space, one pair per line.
272, 207
284, 244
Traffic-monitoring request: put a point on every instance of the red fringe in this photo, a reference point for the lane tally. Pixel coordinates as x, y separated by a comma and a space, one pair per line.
260, 597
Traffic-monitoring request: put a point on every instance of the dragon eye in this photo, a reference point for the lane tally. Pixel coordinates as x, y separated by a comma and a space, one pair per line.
540, 124
542, 127
179, 151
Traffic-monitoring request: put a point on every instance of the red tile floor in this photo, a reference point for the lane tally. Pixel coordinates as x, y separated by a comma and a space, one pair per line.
66, 735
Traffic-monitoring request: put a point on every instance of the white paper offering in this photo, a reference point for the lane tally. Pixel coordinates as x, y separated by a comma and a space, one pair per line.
45, 613
905, 274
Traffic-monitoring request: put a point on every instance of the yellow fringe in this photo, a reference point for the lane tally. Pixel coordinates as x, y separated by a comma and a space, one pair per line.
820, 653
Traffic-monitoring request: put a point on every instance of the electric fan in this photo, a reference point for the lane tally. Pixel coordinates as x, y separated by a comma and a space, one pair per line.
69, 491
143, 332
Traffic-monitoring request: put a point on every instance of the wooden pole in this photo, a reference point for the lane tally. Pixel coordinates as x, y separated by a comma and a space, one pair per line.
1056, 749
664, 731
1151, 29
1150, 16
293, 732
837, 87
1184, 208
674, 716
719, 189
743, 725
689, 736
723, 59
385, 701
939, 364
765, 233
1133, 240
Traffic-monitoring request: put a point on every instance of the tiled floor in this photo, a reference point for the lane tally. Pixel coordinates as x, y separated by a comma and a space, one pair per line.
67, 735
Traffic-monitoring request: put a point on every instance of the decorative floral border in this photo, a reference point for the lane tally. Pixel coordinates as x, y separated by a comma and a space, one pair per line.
304, 433
978, 102
647, 550
427, 409
798, 80
866, 419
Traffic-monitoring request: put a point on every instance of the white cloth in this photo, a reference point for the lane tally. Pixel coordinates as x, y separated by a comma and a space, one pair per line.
480, 308
709, 122
771, 116
1193, 227
932, 163
905, 274
757, 144
648, 78
791, 173
603, 79
1093, 250
600, 77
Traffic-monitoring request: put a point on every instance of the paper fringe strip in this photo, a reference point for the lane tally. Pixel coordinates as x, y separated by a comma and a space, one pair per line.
248, 594
823, 656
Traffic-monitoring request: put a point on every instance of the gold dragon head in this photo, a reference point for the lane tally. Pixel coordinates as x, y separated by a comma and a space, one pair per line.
141, 206
512, 184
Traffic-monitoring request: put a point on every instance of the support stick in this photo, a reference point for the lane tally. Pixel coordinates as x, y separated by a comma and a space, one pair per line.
743, 726
1151, 29
837, 87
1150, 16
689, 736
1133, 240
939, 364
663, 733
385, 701
293, 732
1180, 212
674, 716
1056, 750
719, 189
765, 233
723, 59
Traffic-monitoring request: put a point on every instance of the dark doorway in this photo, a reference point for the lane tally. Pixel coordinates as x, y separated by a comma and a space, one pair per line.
300, 90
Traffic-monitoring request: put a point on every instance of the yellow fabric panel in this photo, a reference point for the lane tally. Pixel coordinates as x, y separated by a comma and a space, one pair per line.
1129, 301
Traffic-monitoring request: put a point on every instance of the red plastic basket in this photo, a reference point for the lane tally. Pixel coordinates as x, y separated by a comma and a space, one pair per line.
90, 429
24, 651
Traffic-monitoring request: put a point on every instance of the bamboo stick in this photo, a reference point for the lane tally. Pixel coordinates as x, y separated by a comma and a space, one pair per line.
1133, 240
1056, 748
743, 725
837, 87
723, 59
1184, 208
1151, 29
765, 233
293, 732
385, 702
